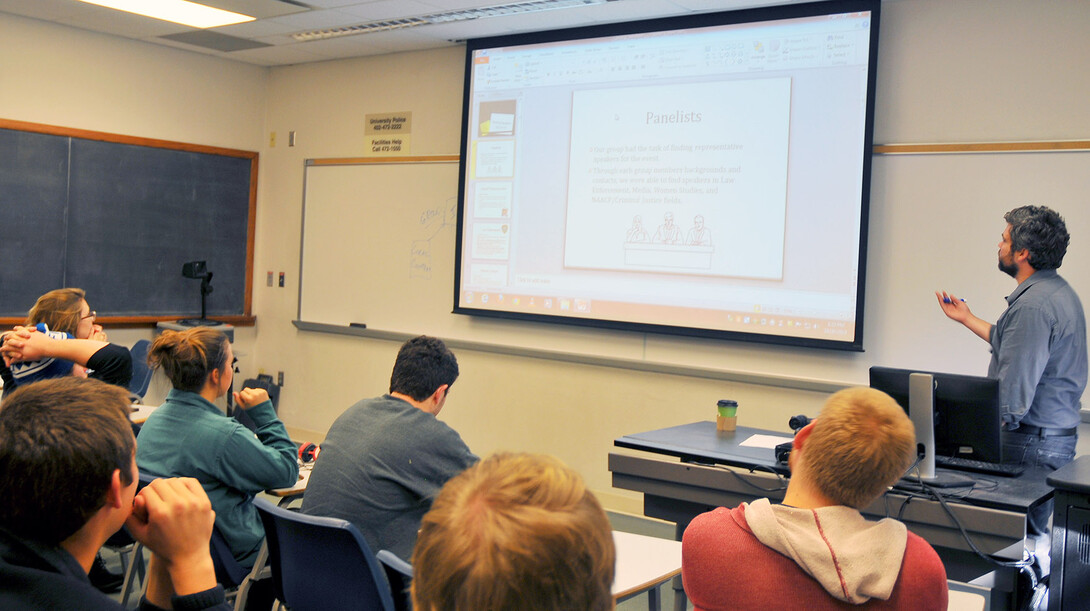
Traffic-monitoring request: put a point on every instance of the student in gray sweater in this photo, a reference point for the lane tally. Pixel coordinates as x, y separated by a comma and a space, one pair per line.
385, 459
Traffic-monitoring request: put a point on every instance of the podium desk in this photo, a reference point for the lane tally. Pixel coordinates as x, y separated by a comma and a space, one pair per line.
687, 470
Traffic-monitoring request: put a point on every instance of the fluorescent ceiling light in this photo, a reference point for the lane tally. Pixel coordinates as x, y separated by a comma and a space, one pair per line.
176, 11
499, 10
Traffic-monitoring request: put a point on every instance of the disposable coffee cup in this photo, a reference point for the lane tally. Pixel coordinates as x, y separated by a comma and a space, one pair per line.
727, 418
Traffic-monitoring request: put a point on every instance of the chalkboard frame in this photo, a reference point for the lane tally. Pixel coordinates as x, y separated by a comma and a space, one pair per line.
246, 318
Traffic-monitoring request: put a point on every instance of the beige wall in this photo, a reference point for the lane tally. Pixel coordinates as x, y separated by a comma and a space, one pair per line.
1021, 76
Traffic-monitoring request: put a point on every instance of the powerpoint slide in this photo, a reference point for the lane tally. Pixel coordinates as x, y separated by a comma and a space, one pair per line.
680, 178
488, 275
491, 241
494, 159
496, 118
492, 200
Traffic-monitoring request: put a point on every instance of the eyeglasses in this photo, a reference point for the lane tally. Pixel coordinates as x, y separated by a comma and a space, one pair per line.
93, 315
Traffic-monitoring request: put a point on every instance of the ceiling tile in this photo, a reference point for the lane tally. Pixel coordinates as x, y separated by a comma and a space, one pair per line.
277, 56
285, 17
316, 20
388, 9
255, 29
47, 10
124, 24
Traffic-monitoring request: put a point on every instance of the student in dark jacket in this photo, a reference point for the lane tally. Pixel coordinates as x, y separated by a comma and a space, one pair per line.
68, 470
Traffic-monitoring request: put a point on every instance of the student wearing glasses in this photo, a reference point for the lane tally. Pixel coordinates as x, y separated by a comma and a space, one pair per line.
30, 355
189, 436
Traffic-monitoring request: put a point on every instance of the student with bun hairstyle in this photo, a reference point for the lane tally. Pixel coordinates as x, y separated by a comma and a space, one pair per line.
188, 436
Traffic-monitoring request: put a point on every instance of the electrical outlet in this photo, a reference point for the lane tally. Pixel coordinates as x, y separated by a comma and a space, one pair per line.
280, 379
281, 279
272, 139
269, 279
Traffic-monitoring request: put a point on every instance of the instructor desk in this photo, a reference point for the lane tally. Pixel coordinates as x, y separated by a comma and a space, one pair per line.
716, 471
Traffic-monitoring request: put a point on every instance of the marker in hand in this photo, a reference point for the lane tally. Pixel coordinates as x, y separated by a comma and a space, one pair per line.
947, 300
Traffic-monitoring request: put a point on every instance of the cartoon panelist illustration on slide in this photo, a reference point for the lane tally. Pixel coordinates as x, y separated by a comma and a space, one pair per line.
636, 233
668, 232
699, 235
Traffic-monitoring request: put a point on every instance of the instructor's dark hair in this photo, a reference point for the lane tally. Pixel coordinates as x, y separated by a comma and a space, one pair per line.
60, 442
423, 365
1042, 232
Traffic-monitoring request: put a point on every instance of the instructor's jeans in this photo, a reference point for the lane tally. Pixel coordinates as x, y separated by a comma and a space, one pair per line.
1042, 452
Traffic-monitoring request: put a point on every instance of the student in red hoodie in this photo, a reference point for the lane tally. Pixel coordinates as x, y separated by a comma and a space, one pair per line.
815, 550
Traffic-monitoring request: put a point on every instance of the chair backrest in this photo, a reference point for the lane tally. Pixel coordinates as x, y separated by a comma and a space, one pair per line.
400, 575
141, 373
321, 563
228, 571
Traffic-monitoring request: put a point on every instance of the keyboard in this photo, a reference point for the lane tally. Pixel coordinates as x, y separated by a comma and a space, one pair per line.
979, 466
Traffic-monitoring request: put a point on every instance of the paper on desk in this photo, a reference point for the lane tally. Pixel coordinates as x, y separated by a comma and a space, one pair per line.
764, 441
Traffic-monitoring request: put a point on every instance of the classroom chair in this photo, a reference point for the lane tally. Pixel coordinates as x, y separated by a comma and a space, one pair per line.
322, 563
141, 373
400, 575
131, 553
235, 578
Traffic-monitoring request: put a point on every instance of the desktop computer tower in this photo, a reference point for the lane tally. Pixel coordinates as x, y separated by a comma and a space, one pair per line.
1069, 584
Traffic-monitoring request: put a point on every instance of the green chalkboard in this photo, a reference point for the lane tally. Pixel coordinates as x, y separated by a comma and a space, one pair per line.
118, 216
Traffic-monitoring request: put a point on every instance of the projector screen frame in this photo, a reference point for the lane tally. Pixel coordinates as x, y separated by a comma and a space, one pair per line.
774, 13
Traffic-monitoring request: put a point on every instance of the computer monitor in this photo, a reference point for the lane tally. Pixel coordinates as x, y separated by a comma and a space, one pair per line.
966, 419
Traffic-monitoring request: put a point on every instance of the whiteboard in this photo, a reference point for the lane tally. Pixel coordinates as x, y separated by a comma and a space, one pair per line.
379, 242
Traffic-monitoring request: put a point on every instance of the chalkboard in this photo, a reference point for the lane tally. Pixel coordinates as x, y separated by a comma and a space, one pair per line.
118, 216
378, 248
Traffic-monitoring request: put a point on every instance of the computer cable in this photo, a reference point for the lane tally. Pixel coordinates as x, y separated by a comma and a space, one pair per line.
738, 476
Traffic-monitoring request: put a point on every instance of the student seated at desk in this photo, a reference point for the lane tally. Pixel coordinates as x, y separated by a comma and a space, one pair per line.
515, 532
30, 355
65, 311
68, 476
384, 459
815, 550
188, 436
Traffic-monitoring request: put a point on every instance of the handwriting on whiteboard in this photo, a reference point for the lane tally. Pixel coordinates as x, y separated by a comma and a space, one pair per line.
432, 222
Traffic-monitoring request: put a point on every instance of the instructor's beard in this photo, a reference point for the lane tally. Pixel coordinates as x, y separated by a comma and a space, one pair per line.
1009, 269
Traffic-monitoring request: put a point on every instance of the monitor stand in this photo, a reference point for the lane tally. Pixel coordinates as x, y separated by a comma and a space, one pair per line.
941, 479
921, 410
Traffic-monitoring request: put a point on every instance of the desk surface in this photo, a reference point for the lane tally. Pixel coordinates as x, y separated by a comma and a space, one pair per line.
140, 413
300, 485
700, 443
643, 562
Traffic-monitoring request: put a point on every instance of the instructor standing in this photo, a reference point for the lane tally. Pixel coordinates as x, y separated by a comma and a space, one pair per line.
1038, 344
